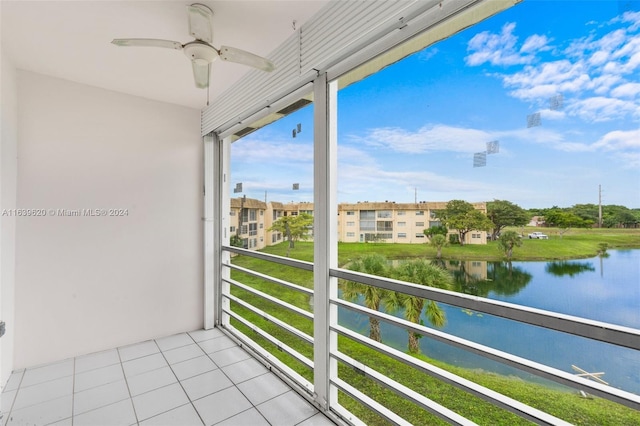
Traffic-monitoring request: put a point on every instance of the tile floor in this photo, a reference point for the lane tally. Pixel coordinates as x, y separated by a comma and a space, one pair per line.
197, 378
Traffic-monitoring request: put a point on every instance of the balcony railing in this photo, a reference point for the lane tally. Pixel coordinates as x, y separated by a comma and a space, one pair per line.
285, 343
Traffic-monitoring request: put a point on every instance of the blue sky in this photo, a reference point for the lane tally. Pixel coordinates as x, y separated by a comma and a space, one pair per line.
415, 126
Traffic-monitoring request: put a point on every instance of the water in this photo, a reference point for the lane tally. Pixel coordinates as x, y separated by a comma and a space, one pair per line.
604, 289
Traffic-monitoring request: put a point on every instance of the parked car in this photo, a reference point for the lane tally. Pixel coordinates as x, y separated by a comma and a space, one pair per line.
538, 236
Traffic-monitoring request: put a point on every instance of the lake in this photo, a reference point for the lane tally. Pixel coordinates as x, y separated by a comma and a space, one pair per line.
601, 288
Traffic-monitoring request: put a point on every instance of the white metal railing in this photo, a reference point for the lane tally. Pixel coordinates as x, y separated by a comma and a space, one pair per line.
594, 330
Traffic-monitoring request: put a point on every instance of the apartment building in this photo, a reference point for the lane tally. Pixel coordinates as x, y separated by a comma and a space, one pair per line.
387, 221
247, 222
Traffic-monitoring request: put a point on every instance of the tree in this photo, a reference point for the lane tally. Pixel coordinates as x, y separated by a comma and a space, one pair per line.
419, 271
565, 220
463, 217
373, 264
507, 241
438, 241
294, 228
436, 230
236, 241
504, 213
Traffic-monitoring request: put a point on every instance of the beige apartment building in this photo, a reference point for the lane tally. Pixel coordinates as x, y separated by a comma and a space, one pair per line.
357, 222
395, 222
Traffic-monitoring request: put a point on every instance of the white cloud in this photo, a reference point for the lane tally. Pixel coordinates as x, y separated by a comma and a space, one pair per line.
599, 109
618, 140
500, 49
361, 183
535, 43
602, 85
592, 73
630, 160
254, 150
547, 79
427, 54
550, 114
633, 18
428, 138
627, 90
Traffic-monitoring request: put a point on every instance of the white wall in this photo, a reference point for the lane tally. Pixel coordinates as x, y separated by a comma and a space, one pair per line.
8, 175
85, 284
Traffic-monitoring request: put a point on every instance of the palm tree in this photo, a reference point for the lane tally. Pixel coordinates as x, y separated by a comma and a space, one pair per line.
422, 272
373, 264
438, 241
507, 241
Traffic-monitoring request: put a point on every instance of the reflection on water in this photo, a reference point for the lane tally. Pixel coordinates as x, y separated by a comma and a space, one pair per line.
570, 268
480, 278
609, 292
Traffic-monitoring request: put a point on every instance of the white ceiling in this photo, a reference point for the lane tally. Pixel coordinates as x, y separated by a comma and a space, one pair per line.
72, 40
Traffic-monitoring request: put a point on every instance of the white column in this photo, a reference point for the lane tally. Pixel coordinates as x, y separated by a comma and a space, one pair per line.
325, 238
216, 225
222, 227
209, 251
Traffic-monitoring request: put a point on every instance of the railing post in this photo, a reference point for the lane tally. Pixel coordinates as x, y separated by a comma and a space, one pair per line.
325, 239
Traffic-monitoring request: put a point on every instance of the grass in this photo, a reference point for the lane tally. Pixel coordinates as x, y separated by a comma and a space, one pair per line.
575, 244
565, 404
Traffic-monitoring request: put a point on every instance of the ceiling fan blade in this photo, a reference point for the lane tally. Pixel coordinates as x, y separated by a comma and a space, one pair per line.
243, 57
200, 22
147, 42
201, 73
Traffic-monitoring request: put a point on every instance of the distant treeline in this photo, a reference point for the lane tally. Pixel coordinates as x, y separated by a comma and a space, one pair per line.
586, 215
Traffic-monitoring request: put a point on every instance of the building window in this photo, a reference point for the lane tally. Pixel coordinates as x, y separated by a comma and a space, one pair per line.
261, 225
384, 214
351, 224
351, 234
367, 214
367, 225
420, 213
475, 236
232, 213
402, 224
277, 214
351, 213
419, 223
401, 213
434, 223
367, 220
402, 235
261, 212
252, 215
253, 229
385, 225
419, 235
232, 229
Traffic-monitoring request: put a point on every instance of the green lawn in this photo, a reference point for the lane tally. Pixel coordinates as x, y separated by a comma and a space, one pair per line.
563, 403
574, 244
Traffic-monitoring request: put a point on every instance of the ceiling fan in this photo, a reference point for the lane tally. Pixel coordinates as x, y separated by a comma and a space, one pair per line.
200, 50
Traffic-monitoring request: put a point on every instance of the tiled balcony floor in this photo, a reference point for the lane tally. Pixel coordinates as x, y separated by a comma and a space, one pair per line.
194, 378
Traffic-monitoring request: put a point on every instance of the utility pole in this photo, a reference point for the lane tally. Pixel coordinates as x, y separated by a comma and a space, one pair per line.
415, 195
599, 206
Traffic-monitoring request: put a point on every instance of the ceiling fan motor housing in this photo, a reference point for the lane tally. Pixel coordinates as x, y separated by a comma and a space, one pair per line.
200, 52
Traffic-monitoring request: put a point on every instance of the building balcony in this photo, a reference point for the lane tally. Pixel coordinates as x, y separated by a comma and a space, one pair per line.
197, 378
